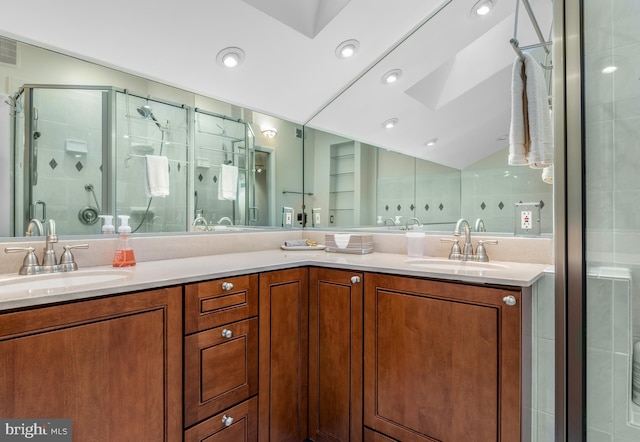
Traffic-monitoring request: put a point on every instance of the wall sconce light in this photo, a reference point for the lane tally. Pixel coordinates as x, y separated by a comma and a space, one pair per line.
269, 133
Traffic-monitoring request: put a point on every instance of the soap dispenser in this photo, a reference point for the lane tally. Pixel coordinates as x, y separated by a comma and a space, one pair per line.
108, 227
124, 256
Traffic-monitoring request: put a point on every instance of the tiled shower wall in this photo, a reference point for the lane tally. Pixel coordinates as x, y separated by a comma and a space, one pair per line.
68, 116
137, 137
612, 138
490, 188
411, 187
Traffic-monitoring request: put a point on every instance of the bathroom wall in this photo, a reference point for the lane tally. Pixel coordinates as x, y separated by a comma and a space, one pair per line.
490, 188
543, 360
612, 143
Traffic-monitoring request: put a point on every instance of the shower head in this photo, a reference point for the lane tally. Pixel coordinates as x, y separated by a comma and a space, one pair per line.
145, 112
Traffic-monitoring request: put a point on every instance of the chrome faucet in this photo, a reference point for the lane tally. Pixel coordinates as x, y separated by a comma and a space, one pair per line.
31, 265
200, 223
480, 225
38, 226
51, 237
415, 221
467, 251
393, 223
225, 218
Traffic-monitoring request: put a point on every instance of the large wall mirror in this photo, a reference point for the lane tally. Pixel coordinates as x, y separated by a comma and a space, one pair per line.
76, 141
446, 157
81, 135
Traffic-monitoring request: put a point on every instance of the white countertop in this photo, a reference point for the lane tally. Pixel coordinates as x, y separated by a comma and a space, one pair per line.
162, 273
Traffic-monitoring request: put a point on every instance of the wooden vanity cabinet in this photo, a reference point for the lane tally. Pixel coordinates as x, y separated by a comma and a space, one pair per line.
221, 356
335, 355
112, 365
284, 347
442, 360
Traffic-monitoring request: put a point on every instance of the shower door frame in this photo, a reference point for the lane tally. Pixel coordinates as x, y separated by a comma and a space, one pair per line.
569, 228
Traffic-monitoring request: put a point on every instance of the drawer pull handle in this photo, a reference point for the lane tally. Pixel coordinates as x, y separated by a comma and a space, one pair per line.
226, 333
355, 279
227, 286
509, 300
227, 420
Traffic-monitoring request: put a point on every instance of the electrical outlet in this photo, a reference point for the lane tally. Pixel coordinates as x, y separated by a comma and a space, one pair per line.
525, 220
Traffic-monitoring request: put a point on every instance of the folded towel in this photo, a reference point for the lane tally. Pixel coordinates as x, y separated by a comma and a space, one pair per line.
530, 135
157, 176
295, 243
228, 183
540, 131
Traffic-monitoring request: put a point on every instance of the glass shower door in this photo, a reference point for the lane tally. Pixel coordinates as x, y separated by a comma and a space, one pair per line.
612, 189
64, 152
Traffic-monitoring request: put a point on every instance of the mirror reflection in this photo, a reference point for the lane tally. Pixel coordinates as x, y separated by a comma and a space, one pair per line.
117, 144
356, 185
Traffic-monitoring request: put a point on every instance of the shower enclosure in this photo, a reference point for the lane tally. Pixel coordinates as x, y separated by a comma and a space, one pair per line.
222, 141
79, 152
60, 135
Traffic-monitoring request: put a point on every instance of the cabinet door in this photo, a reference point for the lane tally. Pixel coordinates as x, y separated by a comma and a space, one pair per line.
442, 360
284, 347
237, 424
220, 369
113, 366
335, 355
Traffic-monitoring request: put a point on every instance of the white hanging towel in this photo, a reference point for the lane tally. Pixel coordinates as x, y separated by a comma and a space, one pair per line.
547, 174
157, 174
228, 184
531, 135
519, 130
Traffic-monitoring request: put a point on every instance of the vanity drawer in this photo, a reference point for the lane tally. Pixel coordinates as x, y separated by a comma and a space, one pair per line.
222, 301
220, 369
242, 428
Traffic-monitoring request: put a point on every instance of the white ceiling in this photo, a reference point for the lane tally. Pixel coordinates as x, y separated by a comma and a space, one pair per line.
456, 69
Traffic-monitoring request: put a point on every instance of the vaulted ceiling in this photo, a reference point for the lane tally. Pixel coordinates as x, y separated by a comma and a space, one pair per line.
456, 67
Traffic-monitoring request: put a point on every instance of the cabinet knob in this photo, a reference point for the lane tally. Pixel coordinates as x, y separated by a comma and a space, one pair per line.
226, 333
355, 279
509, 300
227, 286
227, 420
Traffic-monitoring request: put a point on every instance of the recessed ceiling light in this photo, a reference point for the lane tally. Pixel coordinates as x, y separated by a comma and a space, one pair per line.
481, 8
390, 123
391, 76
431, 142
230, 57
347, 48
609, 69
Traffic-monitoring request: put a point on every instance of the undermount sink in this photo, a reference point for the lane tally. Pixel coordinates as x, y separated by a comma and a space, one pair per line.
59, 282
446, 264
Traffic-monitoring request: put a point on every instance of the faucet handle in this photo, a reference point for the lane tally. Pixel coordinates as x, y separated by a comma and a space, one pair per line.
455, 252
67, 262
481, 253
30, 263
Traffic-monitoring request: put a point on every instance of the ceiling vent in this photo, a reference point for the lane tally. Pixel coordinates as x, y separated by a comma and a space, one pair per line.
8, 51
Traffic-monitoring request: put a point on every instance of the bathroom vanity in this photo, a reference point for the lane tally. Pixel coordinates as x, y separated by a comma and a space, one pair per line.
308, 346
